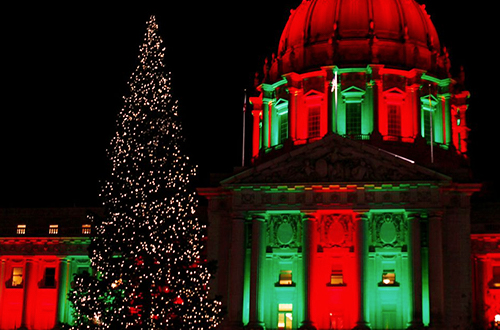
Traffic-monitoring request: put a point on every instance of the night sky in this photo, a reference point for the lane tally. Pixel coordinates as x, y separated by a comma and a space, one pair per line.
65, 71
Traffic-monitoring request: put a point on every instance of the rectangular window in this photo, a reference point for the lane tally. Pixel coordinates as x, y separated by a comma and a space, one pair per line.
286, 278
313, 122
53, 229
495, 283
336, 277
427, 124
21, 229
429, 106
17, 277
285, 317
394, 120
82, 271
389, 278
283, 127
86, 229
353, 119
49, 279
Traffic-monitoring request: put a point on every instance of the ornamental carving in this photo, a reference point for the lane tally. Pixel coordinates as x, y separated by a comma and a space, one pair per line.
335, 159
336, 230
284, 231
389, 230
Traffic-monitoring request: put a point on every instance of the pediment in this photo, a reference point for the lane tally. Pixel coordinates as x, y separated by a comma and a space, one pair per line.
313, 93
336, 160
395, 93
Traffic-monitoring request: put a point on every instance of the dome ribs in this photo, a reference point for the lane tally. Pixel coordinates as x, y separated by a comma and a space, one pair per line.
395, 33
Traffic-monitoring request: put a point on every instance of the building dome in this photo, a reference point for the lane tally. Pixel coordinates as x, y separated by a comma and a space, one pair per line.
395, 33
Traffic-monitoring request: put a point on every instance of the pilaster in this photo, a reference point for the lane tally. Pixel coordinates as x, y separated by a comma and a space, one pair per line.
308, 246
361, 248
236, 275
257, 261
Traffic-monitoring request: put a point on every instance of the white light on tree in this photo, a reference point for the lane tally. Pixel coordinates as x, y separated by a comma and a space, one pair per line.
147, 250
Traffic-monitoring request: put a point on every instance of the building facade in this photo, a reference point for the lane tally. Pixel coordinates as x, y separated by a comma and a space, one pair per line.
356, 210
40, 251
355, 213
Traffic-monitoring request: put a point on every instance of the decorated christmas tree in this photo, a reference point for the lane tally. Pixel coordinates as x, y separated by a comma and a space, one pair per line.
147, 251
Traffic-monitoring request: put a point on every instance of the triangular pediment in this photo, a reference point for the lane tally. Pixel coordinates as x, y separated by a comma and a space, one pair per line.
281, 103
335, 159
313, 93
394, 94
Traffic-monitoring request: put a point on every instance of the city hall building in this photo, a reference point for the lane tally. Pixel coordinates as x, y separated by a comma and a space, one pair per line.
355, 212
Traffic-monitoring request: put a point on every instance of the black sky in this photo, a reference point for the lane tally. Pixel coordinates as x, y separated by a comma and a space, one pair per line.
66, 70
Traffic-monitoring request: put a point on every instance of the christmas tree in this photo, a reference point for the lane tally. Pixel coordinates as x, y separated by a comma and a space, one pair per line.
147, 251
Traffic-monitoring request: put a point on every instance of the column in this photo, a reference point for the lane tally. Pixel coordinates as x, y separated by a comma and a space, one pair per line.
63, 288
361, 257
308, 246
292, 114
480, 267
29, 286
377, 101
236, 275
266, 123
2, 287
436, 293
256, 132
415, 272
257, 262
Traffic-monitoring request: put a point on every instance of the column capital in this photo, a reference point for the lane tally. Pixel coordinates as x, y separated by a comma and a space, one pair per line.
362, 214
259, 217
309, 216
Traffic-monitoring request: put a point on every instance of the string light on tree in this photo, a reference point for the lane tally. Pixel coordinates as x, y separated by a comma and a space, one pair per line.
147, 250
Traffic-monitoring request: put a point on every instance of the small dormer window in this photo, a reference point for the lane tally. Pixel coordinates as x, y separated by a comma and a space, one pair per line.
21, 229
53, 229
86, 229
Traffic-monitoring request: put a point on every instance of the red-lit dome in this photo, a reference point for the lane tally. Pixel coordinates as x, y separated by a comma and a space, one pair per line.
396, 33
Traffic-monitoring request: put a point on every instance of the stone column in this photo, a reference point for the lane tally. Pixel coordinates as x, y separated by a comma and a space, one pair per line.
308, 247
256, 133
2, 286
29, 287
436, 293
257, 262
266, 124
292, 114
480, 262
415, 272
236, 275
63, 289
361, 257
